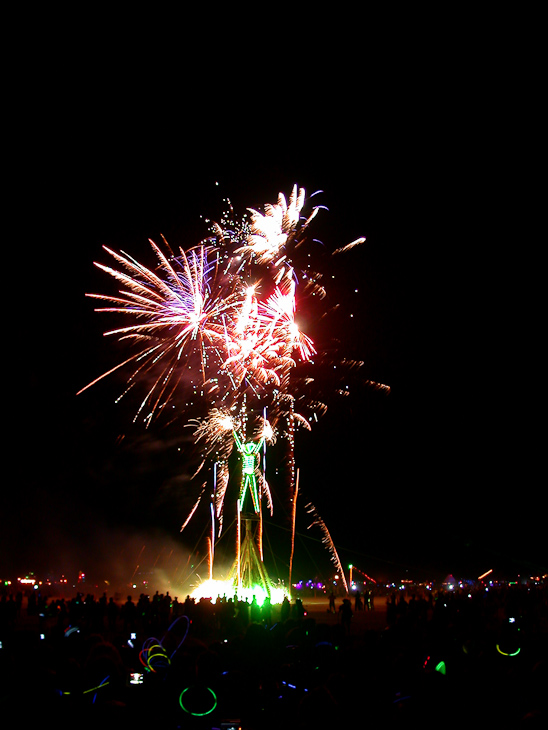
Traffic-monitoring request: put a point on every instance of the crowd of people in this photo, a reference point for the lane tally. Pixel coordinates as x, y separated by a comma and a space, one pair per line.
459, 658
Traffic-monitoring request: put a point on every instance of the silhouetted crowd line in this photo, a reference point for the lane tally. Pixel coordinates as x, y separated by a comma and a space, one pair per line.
458, 659
147, 614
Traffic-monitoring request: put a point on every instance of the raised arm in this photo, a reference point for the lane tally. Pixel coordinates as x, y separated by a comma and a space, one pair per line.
237, 440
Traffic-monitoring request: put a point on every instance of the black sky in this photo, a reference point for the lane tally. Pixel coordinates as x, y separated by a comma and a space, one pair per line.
441, 473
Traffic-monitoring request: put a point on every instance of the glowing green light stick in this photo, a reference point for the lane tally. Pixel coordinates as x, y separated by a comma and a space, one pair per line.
198, 714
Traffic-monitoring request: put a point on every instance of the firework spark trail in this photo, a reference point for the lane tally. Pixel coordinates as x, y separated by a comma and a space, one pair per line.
327, 541
348, 246
269, 437
193, 510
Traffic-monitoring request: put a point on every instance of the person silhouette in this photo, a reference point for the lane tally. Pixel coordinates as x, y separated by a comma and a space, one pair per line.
345, 610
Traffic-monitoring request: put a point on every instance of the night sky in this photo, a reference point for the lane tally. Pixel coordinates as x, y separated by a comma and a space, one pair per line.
437, 477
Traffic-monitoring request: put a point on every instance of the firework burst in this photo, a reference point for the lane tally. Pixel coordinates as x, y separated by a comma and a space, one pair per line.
200, 311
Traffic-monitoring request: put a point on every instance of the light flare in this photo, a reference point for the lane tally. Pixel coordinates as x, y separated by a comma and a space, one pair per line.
216, 589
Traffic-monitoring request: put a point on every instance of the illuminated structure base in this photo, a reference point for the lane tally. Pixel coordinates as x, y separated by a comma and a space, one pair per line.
248, 569
248, 577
